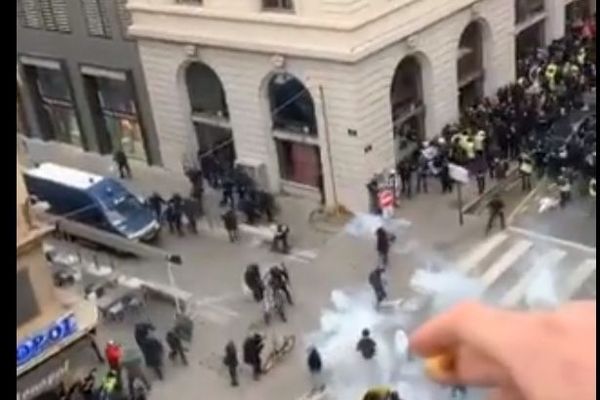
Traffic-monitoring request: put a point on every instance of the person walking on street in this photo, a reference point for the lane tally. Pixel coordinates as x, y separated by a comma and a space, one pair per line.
231, 362
383, 246
231, 225
525, 170
191, 211
156, 203
153, 352
176, 348
315, 366
254, 282
280, 280
366, 346
122, 164
280, 239
135, 373
564, 186
114, 356
422, 174
253, 346
496, 209
376, 281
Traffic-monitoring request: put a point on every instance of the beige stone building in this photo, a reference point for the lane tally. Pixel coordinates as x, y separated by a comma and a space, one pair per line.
318, 93
49, 325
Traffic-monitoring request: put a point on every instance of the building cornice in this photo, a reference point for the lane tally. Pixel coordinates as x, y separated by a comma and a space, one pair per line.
341, 41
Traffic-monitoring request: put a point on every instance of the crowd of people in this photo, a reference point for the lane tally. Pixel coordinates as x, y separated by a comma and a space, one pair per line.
520, 125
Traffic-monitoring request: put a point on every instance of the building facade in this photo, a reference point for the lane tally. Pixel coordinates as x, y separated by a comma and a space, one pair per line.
50, 328
79, 78
320, 94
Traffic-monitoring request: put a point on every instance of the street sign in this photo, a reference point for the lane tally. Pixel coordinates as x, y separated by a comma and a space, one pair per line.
458, 173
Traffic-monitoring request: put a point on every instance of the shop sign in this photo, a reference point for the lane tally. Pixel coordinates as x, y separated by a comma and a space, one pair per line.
39, 342
46, 382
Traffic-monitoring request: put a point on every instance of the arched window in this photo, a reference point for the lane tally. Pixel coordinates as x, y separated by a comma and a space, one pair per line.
210, 117
470, 69
408, 106
291, 105
205, 91
294, 125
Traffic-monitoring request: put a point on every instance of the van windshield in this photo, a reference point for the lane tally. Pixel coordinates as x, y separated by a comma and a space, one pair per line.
119, 208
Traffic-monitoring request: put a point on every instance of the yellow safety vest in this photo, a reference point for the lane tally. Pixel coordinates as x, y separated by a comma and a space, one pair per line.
551, 74
378, 393
109, 384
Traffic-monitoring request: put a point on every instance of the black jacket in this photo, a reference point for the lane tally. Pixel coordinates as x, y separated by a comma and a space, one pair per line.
230, 358
314, 361
153, 351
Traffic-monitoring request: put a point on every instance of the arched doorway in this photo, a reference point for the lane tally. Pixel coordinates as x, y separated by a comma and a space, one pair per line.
210, 116
408, 106
470, 68
294, 127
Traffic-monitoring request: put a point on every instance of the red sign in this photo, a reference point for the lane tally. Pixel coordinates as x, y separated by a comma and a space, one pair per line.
386, 198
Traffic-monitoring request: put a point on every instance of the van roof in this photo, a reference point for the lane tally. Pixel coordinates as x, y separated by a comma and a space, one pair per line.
64, 175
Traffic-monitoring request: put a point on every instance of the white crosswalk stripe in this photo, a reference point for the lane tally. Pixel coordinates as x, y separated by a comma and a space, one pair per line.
518, 291
480, 252
508, 263
578, 277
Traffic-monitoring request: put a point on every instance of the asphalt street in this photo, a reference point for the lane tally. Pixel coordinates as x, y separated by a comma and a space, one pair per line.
505, 263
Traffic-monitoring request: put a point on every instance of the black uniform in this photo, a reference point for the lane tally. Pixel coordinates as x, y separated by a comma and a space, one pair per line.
281, 280
176, 347
122, 164
231, 362
496, 207
254, 282
253, 346
366, 346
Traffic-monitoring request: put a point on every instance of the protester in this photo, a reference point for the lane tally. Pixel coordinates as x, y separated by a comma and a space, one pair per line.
122, 164
174, 214
315, 366
280, 279
191, 211
156, 203
176, 348
280, 239
376, 281
496, 209
253, 346
254, 282
153, 352
231, 362
231, 225
366, 346
383, 246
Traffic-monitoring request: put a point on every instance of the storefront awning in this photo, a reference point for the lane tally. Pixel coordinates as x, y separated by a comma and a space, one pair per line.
48, 375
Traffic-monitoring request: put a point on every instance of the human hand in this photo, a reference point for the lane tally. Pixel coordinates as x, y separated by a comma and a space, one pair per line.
519, 355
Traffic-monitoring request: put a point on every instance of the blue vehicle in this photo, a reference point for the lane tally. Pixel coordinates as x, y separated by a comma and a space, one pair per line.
93, 200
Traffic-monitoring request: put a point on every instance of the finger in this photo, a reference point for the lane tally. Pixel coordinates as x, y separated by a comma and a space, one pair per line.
471, 323
473, 368
505, 393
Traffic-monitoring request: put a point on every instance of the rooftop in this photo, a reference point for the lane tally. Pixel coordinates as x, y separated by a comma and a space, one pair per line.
64, 175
